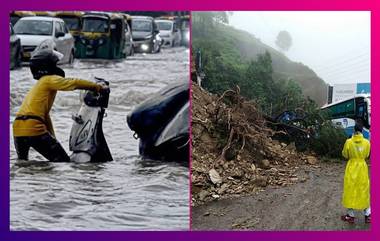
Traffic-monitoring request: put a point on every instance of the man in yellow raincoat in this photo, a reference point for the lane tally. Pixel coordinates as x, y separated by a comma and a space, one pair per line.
33, 126
356, 179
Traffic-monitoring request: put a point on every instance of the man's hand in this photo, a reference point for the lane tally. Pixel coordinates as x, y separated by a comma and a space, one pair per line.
102, 87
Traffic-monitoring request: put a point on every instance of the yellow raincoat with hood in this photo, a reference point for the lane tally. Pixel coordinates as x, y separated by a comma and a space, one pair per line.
356, 179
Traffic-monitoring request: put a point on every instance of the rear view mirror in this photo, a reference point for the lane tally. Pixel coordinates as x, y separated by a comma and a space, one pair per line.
59, 34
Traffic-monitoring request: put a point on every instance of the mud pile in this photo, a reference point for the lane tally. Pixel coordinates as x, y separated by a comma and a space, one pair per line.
233, 153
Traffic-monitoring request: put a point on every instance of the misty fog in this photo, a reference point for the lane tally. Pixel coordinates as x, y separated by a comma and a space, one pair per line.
336, 45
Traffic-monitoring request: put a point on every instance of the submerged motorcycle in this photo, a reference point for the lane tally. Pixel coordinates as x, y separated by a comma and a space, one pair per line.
87, 141
162, 124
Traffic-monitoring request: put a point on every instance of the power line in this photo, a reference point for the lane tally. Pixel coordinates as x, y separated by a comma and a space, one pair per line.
330, 65
349, 69
365, 48
348, 74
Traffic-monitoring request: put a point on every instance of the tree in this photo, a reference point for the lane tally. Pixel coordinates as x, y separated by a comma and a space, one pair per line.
205, 21
284, 40
258, 82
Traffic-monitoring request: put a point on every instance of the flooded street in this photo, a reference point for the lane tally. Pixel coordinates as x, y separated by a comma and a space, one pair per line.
126, 194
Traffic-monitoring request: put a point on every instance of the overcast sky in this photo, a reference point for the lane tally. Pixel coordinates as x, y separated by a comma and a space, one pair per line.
336, 45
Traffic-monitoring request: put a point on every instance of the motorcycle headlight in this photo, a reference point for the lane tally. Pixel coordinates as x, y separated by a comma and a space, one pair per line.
101, 41
83, 40
144, 47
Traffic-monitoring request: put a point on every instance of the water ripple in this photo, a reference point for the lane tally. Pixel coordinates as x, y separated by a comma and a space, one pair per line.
126, 194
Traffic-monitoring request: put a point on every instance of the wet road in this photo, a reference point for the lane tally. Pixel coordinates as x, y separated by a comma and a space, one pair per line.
126, 194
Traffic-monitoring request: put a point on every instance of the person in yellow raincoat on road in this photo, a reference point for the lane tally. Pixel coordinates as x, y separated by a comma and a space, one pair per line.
356, 194
32, 126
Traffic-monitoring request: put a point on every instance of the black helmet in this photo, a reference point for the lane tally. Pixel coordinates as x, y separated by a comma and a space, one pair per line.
44, 60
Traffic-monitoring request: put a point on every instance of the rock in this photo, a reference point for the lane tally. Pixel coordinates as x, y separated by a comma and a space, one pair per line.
283, 144
274, 170
214, 176
206, 214
203, 194
265, 164
294, 179
261, 181
223, 188
238, 173
253, 167
215, 196
311, 160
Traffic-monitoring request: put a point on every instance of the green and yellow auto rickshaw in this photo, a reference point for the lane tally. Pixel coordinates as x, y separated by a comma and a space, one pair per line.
102, 36
16, 15
73, 21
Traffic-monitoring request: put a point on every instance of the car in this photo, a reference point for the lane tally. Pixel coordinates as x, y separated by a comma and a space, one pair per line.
145, 35
33, 30
169, 32
15, 49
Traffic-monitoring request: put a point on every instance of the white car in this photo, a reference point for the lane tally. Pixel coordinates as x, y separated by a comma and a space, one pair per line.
33, 30
169, 32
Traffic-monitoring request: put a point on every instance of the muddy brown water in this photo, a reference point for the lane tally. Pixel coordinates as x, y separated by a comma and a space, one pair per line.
126, 194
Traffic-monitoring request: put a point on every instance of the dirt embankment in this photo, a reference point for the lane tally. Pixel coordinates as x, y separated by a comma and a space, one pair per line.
312, 205
233, 153
242, 179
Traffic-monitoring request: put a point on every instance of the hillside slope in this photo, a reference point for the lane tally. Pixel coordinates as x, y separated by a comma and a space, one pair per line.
242, 47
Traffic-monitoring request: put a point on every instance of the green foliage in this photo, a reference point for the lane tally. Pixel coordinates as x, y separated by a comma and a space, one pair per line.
206, 21
237, 48
290, 94
329, 141
225, 65
258, 83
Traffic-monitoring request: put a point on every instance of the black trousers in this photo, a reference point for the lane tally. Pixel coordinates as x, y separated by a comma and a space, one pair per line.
45, 144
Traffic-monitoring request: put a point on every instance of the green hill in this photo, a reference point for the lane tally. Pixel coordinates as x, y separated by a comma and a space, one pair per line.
238, 47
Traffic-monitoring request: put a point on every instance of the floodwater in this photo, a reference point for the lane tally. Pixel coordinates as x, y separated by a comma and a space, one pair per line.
126, 194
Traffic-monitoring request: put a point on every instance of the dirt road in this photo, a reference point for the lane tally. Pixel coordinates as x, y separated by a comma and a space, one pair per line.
312, 205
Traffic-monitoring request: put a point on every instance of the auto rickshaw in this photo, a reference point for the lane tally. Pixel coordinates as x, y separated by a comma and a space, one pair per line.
73, 21
16, 15
102, 36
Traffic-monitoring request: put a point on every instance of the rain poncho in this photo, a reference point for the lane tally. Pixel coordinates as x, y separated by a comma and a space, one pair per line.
356, 180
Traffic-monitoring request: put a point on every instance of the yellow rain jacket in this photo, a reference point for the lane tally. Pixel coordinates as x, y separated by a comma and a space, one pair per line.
356, 180
39, 101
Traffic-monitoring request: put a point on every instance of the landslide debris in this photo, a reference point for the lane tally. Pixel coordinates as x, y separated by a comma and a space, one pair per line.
233, 153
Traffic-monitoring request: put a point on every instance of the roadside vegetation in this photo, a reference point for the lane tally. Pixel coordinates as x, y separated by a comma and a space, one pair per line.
225, 67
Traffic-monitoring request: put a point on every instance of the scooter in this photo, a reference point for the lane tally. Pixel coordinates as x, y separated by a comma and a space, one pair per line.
87, 141
162, 124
